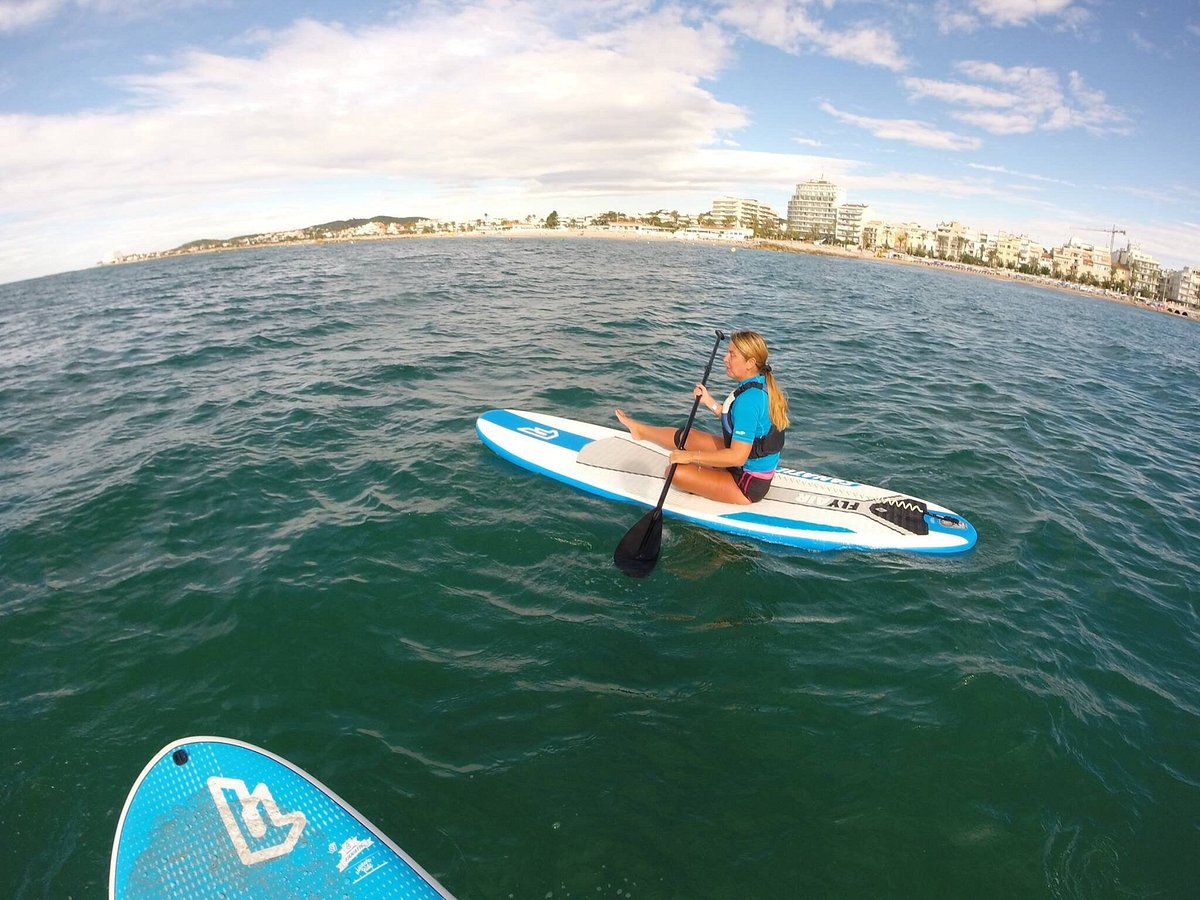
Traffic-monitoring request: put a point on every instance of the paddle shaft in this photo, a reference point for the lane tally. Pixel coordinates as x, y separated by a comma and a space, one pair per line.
662, 498
637, 554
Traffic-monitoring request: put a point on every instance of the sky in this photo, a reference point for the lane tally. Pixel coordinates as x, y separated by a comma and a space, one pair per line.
138, 125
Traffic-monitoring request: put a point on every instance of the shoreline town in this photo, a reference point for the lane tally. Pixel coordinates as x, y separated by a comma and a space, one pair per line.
818, 222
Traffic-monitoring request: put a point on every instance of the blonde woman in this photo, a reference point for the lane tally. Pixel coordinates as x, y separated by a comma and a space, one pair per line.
737, 466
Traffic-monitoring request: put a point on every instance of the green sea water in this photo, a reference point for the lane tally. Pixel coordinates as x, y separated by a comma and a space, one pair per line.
242, 495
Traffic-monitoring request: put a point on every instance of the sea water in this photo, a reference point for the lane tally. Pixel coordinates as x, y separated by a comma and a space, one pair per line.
242, 495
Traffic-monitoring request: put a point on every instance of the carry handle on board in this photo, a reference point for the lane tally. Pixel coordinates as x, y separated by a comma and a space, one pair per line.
637, 554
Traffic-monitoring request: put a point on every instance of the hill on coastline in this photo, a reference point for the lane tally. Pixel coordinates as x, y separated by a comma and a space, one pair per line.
312, 232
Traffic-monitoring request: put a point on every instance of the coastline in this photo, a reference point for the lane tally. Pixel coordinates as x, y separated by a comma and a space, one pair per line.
1041, 281
773, 245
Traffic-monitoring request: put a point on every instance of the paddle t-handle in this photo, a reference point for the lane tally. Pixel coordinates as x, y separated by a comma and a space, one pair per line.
637, 553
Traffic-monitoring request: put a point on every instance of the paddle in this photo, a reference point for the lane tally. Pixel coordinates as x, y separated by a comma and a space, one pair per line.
637, 554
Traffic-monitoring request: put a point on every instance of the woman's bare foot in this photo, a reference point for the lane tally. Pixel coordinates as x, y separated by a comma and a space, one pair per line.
637, 430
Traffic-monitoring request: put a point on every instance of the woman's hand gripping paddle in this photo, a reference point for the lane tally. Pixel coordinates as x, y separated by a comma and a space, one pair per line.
637, 554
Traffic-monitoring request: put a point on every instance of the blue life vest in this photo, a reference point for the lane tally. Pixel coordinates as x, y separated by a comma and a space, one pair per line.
766, 445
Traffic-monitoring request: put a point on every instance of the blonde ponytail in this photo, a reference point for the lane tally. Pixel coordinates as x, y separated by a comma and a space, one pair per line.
751, 345
777, 402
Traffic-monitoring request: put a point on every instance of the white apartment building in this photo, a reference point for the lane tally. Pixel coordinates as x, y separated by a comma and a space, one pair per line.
878, 235
954, 240
1144, 271
1182, 287
907, 237
850, 220
812, 209
743, 213
627, 226
917, 238
1080, 260
1012, 251
700, 233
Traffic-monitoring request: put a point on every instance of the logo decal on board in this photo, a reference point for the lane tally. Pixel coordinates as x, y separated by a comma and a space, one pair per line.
247, 823
349, 850
542, 434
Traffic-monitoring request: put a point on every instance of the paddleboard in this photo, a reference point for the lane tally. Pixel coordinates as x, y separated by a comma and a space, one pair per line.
802, 509
214, 817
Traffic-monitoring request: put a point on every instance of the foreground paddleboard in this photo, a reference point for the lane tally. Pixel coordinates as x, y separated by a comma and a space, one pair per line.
213, 817
802, 509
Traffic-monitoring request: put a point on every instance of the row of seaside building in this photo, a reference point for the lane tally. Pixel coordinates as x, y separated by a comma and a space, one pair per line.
818, 211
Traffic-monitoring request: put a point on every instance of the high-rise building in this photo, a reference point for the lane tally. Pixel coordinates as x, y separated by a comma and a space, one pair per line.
812, 210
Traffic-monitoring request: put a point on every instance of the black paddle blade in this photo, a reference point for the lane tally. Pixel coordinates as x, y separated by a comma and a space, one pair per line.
637, 554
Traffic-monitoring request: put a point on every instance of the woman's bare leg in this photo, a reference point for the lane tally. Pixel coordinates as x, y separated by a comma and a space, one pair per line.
664, 435
715, 484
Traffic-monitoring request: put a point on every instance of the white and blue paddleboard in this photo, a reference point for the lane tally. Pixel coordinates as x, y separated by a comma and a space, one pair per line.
213, 817
802, 509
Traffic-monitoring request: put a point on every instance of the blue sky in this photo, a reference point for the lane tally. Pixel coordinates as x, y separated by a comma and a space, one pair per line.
136, 125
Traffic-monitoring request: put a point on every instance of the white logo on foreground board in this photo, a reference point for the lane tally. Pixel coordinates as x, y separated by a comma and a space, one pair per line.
542, 434
251, 817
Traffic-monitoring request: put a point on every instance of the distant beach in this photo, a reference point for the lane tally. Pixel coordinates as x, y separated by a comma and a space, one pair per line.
637, 234
789, 246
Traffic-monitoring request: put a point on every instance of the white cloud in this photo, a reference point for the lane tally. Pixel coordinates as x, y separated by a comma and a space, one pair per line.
485, 93
1020, 12
484, 99
932, 188
1174, 243
1004, 170
1142, 43
974, 14
958, 92
993, 122
951, 18
1166, 195
790, 26
453, 108
1030, 98
910, 131
18, 15
1093, 110
866, 45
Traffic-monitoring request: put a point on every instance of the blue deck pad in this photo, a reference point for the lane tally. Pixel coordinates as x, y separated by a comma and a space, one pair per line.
211, 817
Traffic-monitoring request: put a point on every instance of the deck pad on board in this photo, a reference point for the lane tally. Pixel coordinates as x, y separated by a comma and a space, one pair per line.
213, 817
625, 455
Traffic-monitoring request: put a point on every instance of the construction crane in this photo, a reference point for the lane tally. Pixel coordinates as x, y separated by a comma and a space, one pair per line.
1111, 232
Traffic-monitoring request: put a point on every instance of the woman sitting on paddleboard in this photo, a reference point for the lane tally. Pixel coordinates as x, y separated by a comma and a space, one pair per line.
736, 466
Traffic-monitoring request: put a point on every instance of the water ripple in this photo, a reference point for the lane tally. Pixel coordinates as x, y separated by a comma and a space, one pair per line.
242, 494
